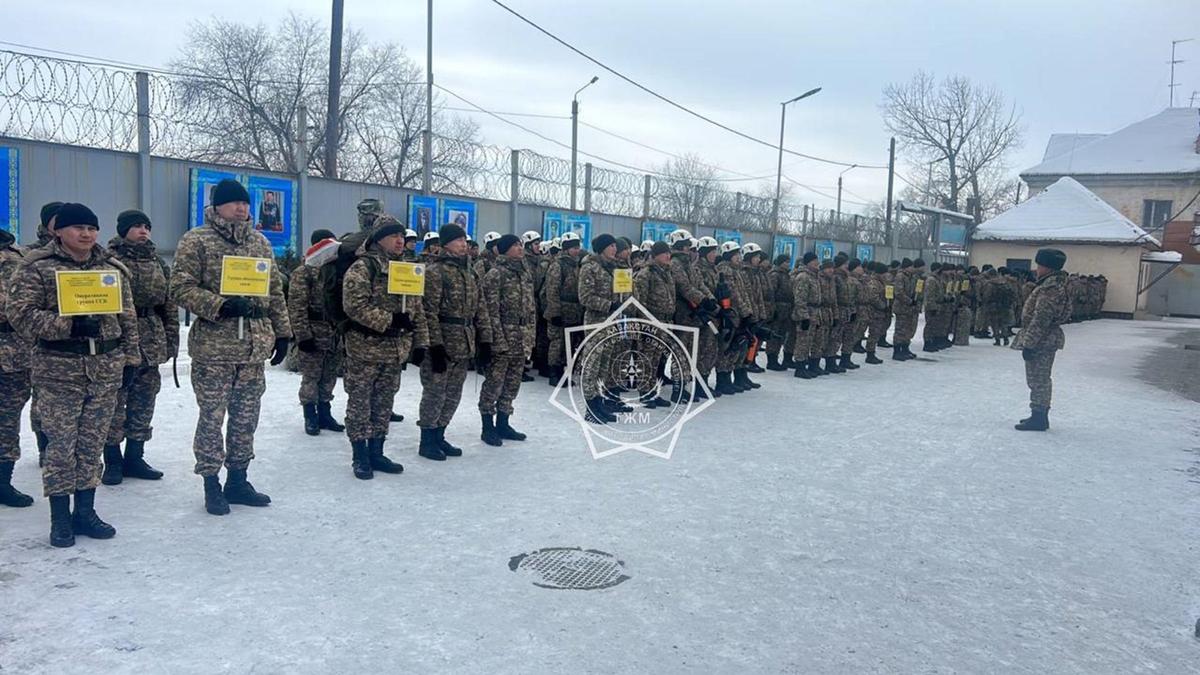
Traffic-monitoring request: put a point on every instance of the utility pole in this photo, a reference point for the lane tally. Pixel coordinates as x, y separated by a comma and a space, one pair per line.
779, 168
1192, 103
332, 119
427, 160
839, 197
575, 138
1171, 87
891, 177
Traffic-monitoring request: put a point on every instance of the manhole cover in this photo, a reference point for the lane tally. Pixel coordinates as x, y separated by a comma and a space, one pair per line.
570, 568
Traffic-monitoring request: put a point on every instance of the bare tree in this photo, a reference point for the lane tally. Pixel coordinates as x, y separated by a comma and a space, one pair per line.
688, 191
966, 131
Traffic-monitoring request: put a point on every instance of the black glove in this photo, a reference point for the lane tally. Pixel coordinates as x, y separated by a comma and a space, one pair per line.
853, 317
805, 324
128, 375
613, 307
483, 355
416, 356
307, 346
708, 305
280, 353
439, 358
1027, 354
835, 323
85, 327
235, 306
557, 322
401, 321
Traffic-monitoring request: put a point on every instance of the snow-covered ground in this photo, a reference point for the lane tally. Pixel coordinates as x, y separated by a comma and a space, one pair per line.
887, 520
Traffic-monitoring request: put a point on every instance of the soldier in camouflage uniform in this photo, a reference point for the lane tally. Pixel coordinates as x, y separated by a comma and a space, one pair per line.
562, 308
431, 248
45, 236
1048, 307
907, 308
861, 317
228, 342
599, 301
508, 295
536, 265
14, 378
754, 272
779, 291
806, 309
877, 307
935, 308
888, 275
831, 319
158, 340
318, 344
993, 298
852, 311
382, 330
731, 360
484, 262
459, 329
654, 287
78, 365
697, 270
964, 317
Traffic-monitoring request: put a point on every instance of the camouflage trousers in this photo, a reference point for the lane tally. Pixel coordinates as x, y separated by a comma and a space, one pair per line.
75, 416
318, 374
557, 350
440, 393
134, 408
934, 323
862, 320
846, 330
541, 341
906, 328
833, 338
595, 352
501, 384
964, 320
980, 322
730, 358
877, 324
220, 388
783, 337
370, 392
706, 349
999, 322
14, 392
1037, 376
802, 341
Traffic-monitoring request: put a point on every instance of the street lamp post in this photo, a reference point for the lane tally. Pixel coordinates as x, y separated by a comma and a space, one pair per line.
779, 169
839, 199
575, 138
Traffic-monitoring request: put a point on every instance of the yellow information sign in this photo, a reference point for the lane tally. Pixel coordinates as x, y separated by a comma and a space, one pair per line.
241, 275
622, 280
88, 292
406, 278
920, 285
966, 284
889, 292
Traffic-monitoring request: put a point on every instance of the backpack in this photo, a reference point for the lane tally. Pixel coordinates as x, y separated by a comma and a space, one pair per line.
331, 276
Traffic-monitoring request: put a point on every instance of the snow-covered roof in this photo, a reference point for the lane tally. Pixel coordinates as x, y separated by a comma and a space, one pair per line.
1164, 143
1162, 256
1065, 211
918, 208
1061, 144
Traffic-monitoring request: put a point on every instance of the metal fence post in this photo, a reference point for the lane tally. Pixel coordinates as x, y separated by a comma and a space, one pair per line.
646, 200
587, 187
143, 140
514, 192
301, 172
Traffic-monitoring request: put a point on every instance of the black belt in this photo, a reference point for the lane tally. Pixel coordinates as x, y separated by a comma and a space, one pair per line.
456, 321
79, 346
316, 316
389, 333
515, 323
564, 298
144, 312
6, 327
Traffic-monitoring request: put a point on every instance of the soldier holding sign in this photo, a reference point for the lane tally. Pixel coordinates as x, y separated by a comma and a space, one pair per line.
508, 295
224, 274
73, 301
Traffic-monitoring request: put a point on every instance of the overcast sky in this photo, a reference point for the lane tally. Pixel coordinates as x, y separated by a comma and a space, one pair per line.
1068, 66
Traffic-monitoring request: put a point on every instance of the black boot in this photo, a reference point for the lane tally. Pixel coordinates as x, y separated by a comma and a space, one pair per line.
312, 426
1006, 338
397, 418
831, 367
113, 465
214, 499
238, 490
859, 348
489, 435
746, 377
134, 465
698, 391
739, 380
42, 442
725, 385
803, 371
788, 362
873, 359
1038, 421
62, 535
505, 429
773, 363
614, 404
898, 353
883, 342
450, 450
597, 411
85, 521
847, 364
679, 394
526, 377
325, 418
378, 461
754, 368
360, 460
906, 353
430, 448
555, 374
10, 496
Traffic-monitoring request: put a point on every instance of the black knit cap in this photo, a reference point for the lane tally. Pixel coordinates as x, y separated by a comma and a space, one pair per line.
448, 233
229, 190
505, 242
782, 258
48, 212
840, 259
935, 266
1051, 257
895, 264
623, 244
905, 264
659, 248
602, 241
827, 264
386, 230
75, 214
320, 235
853, 264
918, 263
808, 257
127, 219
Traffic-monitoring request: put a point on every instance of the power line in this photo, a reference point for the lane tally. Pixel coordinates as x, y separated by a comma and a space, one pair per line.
680, 106
511, 114
682, 158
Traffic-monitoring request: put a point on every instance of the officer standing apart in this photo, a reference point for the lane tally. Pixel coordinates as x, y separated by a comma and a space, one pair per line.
1048, 307
78, 365
508, 298
158, 340
230, 339
14, 378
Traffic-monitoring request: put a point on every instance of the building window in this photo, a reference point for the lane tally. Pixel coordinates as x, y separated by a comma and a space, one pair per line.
1018, 264
1155, 212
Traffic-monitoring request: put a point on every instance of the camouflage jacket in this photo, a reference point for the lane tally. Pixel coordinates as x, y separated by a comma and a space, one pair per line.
158, 317
779, 293
873, 296
841, 285
306, 308
33, 310
935, 294
370, 308
1046, 310
687, 293
654, 287
858, 299
735, 277
706, 277
760, 286
196, 285
828, 311
483, 264
508, 296
595, 287
562, 290
806, 294
14, 349
903, 302
534, 265
454, 316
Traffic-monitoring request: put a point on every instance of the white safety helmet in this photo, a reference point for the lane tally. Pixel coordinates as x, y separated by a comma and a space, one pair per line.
634, 248
569, 236
555, 244
706, 242
751, 248
677, 236
430, 235
490, 237
730, 246
530, 236
410, 234
693, 242
646, 245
